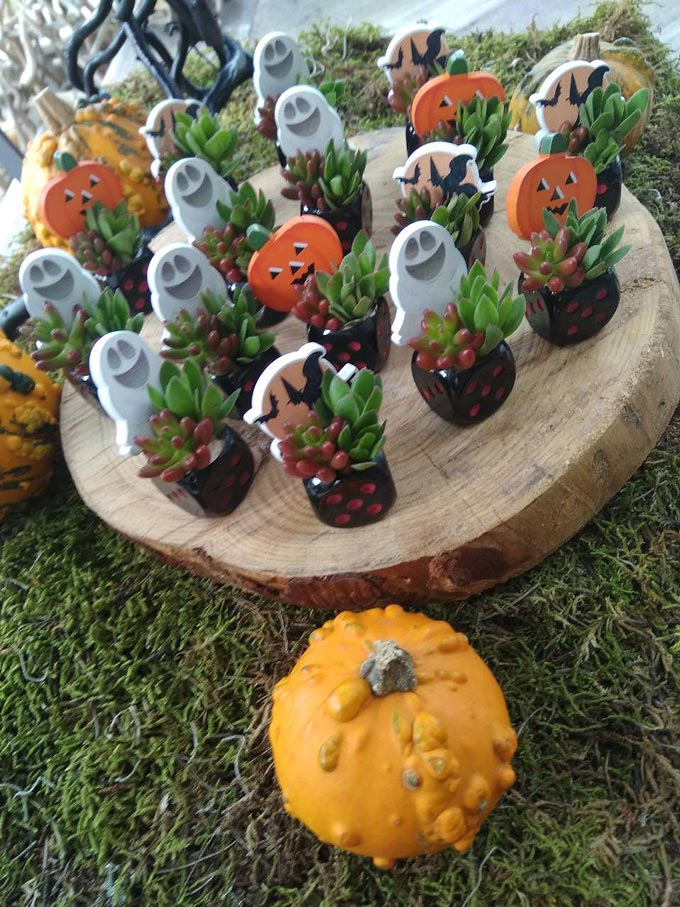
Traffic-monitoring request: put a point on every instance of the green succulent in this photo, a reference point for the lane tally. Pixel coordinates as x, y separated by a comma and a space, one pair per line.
484, 122
608, 118
445, 343
205, 138
483, 308
110, 240
459, 216
328, 181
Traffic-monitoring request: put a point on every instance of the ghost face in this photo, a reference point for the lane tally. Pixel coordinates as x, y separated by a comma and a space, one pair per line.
560, 95
306, 122
177, 277
160, 125
52, 275
193, 189
277, 65
425, 270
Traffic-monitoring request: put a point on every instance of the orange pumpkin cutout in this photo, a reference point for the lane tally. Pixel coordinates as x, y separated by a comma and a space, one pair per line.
301, 246
550, 181
66, 197
437, 100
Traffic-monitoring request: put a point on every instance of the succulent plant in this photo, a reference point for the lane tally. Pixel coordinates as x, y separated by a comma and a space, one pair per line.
444, 342
303, 173
190, 413
333, 301
325, 182
483, 122
205, 138
417, 205
608, 118
110, 240
569, 255
221, 336
459, 215
341, 433
404, 88
266, 124
228, 248
69, 347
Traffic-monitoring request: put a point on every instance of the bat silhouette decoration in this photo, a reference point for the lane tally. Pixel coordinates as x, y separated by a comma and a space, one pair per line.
462, 178
399, 61
413, 181
272, 414
309, 394
551, 102
433, 56
560, 95
595, 80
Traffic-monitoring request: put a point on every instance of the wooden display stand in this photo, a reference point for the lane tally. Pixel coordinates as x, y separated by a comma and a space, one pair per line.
475, 505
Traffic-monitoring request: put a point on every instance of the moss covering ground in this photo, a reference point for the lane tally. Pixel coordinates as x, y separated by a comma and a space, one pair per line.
134, 764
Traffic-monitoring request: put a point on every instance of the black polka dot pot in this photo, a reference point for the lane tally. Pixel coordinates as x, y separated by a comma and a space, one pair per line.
475, 249
267, 317
608, 192
347, 222
412, 138
471, 395
131, 281
220, 487
487, 202
244, 379
365, 343
355, 499
574, 314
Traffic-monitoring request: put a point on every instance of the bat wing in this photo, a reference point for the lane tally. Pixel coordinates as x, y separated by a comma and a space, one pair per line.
551, 102
416, 56
294, 395
312, 372
435, 175
595, 79
575, 96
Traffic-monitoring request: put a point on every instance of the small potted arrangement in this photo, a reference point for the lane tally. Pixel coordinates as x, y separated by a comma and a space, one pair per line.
331, 186
191, 446
225, 340
338, 453
459, 216
346, 311
461, 364
568, 276
400, 97
64, 346
204, 137
111, 248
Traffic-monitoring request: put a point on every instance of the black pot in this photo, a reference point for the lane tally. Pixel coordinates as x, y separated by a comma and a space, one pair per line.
267, 317
85, 387
487, 202
131, 281
245, 378
469, 396
608, 193
412, 138
355, 499
574, 314
283, 160
347, 222
220, 487
475, 249
365, 343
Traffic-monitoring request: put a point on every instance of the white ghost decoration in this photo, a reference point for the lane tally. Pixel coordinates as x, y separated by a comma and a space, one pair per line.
122, 366
277, 65
177, 277
425, 270
52, 275
160, 124
305, 121
193, 189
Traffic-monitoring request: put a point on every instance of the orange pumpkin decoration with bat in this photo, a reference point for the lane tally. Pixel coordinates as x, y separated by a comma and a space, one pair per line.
65, 198
438, 99
391, 737
549, 181
287, 257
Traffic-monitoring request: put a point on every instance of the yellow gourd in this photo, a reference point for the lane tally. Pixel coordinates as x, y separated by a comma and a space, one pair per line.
390, 736
107, 132
29, 404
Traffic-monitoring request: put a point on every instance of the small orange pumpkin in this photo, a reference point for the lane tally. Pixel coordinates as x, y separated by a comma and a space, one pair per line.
390, 736
301, 246
549, 181
438, 99
64, 199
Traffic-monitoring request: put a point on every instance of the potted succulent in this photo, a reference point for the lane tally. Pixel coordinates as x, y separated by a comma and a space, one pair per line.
338, 452
204, 137
400, 98
346, 311
459, 216
111, 248
461, 364
568, 276
331, 186
190, 444
67, 346
225, 340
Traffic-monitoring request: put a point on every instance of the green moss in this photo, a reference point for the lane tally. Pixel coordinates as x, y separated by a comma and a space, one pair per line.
134, 763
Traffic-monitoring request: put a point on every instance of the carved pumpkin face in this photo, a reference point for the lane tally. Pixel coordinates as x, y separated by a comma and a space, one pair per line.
301, 246
66, 197
437, 100
550, 181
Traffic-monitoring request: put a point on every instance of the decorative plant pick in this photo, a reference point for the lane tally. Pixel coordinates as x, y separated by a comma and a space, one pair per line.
277, 65
550, 181
563, 91
411, 49
54, 276
194, 191
305, 121
177, 277
444, 169
161, 124
425, 268
123, 366
437, 100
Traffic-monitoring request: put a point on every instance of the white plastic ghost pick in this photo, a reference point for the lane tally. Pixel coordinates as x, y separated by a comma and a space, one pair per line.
193, 189
277, 65
52, 275
305, 121
177, 277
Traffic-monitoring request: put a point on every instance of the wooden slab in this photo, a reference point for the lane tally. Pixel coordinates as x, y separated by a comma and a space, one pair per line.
475, 505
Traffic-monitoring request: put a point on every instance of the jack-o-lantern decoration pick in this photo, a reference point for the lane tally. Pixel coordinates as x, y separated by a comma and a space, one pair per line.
300, 247
437, 100
66, 197
444, 169
561, 94
549, 181
412, 48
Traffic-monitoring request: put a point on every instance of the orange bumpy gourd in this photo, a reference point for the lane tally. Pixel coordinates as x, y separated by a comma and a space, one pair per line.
106, 131
391, 737
29, 404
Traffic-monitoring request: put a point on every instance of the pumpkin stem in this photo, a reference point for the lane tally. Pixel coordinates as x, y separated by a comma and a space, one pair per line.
553, 143
388, 669
55, 113
457, 65
586, 47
